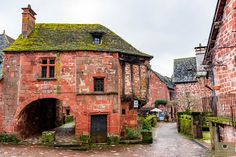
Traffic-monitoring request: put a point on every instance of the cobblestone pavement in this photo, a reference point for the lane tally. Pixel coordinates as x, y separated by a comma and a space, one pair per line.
167, 143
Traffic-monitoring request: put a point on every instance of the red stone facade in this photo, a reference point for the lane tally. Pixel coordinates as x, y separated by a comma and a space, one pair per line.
158, 90
71, 90
195, 90
73, 86
221, 61
223, 58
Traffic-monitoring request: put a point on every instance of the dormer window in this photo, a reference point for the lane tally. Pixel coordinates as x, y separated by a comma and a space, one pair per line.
97, 38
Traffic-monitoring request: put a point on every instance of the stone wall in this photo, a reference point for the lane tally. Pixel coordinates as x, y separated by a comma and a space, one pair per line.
73, 86
195, 90
1, 107
158, 90
89, 102
225, 51
129, 117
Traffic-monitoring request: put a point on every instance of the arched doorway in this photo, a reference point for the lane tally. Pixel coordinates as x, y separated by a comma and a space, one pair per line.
40, 115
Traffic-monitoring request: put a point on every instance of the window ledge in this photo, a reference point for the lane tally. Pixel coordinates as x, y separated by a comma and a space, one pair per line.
46, 79
99, 93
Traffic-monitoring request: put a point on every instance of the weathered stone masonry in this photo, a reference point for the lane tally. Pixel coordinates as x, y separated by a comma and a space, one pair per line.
25, 93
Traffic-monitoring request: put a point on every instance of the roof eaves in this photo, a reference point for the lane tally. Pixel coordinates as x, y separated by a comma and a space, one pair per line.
219, 10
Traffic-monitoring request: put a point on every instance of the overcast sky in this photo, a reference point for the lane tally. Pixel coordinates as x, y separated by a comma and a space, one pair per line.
166, 29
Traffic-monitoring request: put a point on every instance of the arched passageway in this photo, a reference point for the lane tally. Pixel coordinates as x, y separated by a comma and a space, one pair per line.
39, 116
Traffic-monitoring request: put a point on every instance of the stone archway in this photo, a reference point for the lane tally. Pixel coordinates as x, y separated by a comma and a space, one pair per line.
38, 116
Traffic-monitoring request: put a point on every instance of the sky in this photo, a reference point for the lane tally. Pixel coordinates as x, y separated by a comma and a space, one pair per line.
165, 29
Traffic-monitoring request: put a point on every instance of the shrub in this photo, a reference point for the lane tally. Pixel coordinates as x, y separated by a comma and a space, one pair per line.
9, 138
113, 140
160, 102
132, 133
149, 122
147, 136
48, 137
141, 122
85, 139
147, 125
69, 118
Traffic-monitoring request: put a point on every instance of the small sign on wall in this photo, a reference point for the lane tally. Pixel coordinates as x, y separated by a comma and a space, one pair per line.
135, 103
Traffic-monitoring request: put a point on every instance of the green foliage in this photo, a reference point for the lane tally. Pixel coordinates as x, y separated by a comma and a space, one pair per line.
48, 137
206, 135
160, 102
9, 138
147, 136
85, 139
149, 122
133, 134
141, 122
186, 124
113, 140
69, 118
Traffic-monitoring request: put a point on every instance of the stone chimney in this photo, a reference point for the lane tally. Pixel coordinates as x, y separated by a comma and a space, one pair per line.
200, 52
28, 21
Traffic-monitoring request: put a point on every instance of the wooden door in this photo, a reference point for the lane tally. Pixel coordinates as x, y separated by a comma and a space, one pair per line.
99, 128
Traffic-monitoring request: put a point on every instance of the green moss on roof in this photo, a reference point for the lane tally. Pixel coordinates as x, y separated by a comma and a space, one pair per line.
71, 37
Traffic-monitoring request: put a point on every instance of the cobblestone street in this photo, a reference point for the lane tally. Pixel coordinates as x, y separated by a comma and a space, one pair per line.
167, 143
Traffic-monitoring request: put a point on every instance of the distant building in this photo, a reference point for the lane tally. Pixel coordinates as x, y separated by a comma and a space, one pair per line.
190, 78
5, 41
160, 88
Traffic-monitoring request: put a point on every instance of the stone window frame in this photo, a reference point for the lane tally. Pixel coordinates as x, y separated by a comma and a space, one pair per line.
50, 64
99, 87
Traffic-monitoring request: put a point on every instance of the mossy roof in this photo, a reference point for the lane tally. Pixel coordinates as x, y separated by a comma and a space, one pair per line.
72, 37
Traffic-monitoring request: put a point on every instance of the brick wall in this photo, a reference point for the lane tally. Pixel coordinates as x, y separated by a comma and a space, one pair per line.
158, 90
91, 103
229, 134
196, 91
1, 107
74, 87
224, 54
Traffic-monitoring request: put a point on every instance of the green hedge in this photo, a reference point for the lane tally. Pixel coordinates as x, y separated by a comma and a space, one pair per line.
160, 102
186, 124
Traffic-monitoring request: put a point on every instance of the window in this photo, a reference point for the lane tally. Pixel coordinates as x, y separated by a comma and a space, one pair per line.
97, 38
123, 111
98, 84
48, 68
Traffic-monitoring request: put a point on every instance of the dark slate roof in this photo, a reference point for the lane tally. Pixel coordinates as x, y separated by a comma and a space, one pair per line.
165, 80
185, 70
72, 37
5, 41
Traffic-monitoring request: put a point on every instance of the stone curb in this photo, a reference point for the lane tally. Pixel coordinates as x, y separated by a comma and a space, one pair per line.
201, 144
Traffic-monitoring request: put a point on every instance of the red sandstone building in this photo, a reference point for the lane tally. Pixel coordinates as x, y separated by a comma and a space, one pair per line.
161, 88
221, 61
190, 78
84, 70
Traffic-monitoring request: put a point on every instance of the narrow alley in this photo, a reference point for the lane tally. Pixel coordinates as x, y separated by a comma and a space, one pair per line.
167, 143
